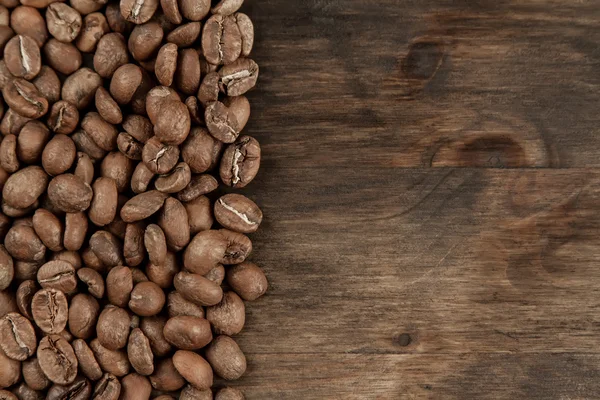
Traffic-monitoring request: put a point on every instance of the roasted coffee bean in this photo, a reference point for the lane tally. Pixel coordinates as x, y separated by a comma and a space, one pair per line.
112, 361
247, 31
26, 270
229, 394
94, 26
115, 20
226, 358
200, 216
226, 7
139, 127
194, 369
24, 392
135, 387
29, 22
111, 54
76, 225
80, 87
188, 332
166, 64
90, 260
199, 185
143, 205
133, 245
201, 151
216, 275
140, 353
33, 375
12, 122
138, 11
107, 388
64, 23
69, 256
24, 98
147, 299
229, 316
31, 142
70, 193
58, 155
144, 41
49, 229
22, 243
221, 40
83, 314
101, 132
113, 327
173, 123
10, 370
160, 158
93, 281
185, 35
238, 249
205, 251
62, 57
9, 160
191, 393
171, 11
238, 213
194, 10
25, 292
63, 118
80, 389
125, 82
209, 89
239, 77
84, 168
198, 289
165, 376
129, 146
178, 306
195, 110
153, 329
119, 284
163, 274
18, 212
7, 270
140, 180
107, 248
155, 243
248, 280
175, 181
22, 57
57, 359
86, 145
188, 74
104, 202
154, 101
18, 337
87, 6
119, 168
48, 83
50, 310
6, 33
222, 122
86, 360
107, 107
57, 274
171, 218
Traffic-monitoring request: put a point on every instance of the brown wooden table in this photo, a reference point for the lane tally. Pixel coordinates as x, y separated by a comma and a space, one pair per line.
431, 191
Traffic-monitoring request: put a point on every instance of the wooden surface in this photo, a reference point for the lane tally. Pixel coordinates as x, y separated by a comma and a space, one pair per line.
431, 191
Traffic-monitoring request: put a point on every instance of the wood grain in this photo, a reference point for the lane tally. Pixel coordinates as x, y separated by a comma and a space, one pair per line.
431, 196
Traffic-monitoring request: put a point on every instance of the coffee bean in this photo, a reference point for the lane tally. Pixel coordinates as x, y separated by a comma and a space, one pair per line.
18, 337
93, 281
248, 280
238, 249
113, 327
31, 142
94, 26
112, 361
107, 107
100, 131
199, 185
12, 122
221, 122
107, 388
195, 110
83, 314
140, 353
155, 243
70, 193
159, 158
229, 394
10, 370
50, 310
119, 168
63, 57
166, 64
198, 289
194, 10
107, 248
115, 20
58, 155
9, 160
201, 151
239, 106
165, 376
138, 11
200, 215
205, 251
238, 213
76, 225
57, 359
147, 299
6, 33
171, 218
227, 7
184, 35
139, 127
191, 393
240, 162
173, 123
22, 57
209, 89
175, 181
119, 284
188, 332
194, 369
64, 23
135, 387
33, 375
125, 82
48, 83
163, 274
111, 54
90, 260
154, 101
177, 306
144, 41
80, 87
247, 31
28, 21
187, 74
229, 316
18, 212
104, 202
221, 40
24, 392
80, 389
25, 292
24, 98
57, 274
63, 118
86, 145
22, 243
86, 360
129, 146
153, 329
239, 77
226, 358
87, 6
49, 229
143, 205
133, 245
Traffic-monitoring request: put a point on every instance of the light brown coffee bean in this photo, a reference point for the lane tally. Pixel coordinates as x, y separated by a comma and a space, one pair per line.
62, 57
115, 20
48, 83
75, 230
129, 146
173, 123
33, 375
18, 337
22, 57
113, 327
147, 299
57, 359
103, 208
7, 269
248, 280
199, 185
238, 249
83, 314
63, 118
160, 158
170, 10
22, 243
194, 10
111, 54
175, 181
87, 6
107, 388
86, 360
70, 193
163, 274
107, 107
125, 82
141, 178
154, 100
31, 142
49, 229
229, 394
166, 64
188, 332
221, 40
92, 280
201, 151
144, 41
133, 246
155, 244
58, 155
10, 370
238, 213
139, 127
94, 26
171, 219
119, 284
119, 168
198, 289
9, 160
226, 358
80, 87
8, 304
177, 305
187, 74
222, 122
209, 89
90, 260
216, 275
229, 316
18, 212
71, 257
28, 21
84, 168
239, 77
138, 11
50, 310
57, 274
101, 132
185, 35
143, 205
205, 251
153, 329
12, 122
135, 387
112, 361
247, 31
191, 393
195, 110
165, 376
64, 22
239, 106
139, 352
227, 7
107, 248
86, 145
24, 98
195, 369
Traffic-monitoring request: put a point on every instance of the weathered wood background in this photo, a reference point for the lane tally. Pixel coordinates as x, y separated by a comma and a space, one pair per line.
431, 190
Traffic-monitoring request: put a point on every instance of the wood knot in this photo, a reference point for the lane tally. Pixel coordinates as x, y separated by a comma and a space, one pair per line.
423, 60
402, 340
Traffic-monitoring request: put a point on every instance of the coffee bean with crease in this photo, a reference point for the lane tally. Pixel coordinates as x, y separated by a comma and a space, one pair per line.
93, 27
221, 40
140, 353
239, 77
80, 389
83, 315
222, 122
238, 249
107, 107
64, 22
31, 142
18, 337
240, 162
107, 388
138, 11
160, 158
33, 375
57, 359
247, 32
175, 181
50, 310
184, 35
22, 57
63, 118
25, 292
238, 213
107, 248
86, 360
58, 275
93, 281
24, 98
199, 185
111, 361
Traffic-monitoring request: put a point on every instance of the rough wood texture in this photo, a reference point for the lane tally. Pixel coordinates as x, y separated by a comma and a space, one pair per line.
391, 279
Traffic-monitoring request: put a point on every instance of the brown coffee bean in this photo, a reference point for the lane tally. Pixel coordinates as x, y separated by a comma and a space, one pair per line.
229, 316
57, 359
175, 181
8, 304
103, 208
119, 284
173, 123
63, 57
248, 280
64, 22
229, 394
129, 146
75, 230
7, 269
160, 158
141, 178
111, 54
25, 292
113, 327
71, 257
49, 229
24, 98
153, 329
22, 57
194, 369
22, 243
18, 337
115, 20
70, 193
194, 10
135, 387
195, 110
239, 77
4, 16
90, 260
138, 11
57, 274
171, 11
147, 299
84, 168
205, 251
143, 205
80, 87
178, 306
9, 161
101, 132
191, 393
227, 7
238, 249
198, 289
163, 274
107, 388
188, 332
165, 376
63, 118
107, 248
200, 217
133, 246
6, 33
93, 281
139, 127
119, 168
221, 40
247, 31
200, 151
155, 244
33, 375
28, 21
199, 185
226, 358
25, 270
140, 353
107, 107
112, 361
12, 122
94, 26
154, 100
138, 101
187, 74
185, 35
5, 74
18, 212
144, 41
85, 144
48, 84
209, 89
171, 219
87, 6
50, 310
166, 64
238, 213
31, 142
124, 83
86, 360
240, 107
216, 275
80, 389
24, 392
10, 370
83, 314
59, 155
222, 122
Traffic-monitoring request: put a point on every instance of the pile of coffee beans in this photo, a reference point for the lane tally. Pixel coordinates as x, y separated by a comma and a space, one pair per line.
123, 269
